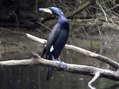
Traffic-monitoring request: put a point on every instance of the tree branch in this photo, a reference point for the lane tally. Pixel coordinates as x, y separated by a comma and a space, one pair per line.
97, 75
80, 50
73, 68
80, 8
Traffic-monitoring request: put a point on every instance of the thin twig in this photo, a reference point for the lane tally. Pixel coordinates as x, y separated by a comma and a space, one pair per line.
103, 12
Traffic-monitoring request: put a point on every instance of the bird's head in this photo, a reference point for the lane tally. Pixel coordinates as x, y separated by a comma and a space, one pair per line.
52, 10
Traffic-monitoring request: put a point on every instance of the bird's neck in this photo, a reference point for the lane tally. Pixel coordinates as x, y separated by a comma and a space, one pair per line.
64, 23
62, 18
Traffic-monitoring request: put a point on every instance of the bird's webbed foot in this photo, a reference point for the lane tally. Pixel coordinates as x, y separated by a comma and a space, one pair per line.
62, 65
55, 59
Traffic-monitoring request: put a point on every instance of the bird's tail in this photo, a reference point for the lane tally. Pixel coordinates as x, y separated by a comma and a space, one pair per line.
50, 70
49, 73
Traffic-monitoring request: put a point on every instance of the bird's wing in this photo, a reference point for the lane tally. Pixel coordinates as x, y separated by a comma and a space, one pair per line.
53, 37
60, 43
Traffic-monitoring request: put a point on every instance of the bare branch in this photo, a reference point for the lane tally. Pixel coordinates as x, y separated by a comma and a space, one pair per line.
34, 38
103, 12
69, 67
80, 50
73, 68
80, 8
97, 75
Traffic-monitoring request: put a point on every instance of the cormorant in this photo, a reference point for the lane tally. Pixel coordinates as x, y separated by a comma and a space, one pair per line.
57, 38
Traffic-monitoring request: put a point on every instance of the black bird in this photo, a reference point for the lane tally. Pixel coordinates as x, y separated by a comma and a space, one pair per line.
57, 38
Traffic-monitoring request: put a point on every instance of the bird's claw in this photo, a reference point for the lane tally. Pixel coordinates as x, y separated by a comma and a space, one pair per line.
62, 65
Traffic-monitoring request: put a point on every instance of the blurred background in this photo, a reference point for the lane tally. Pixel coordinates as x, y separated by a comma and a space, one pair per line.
95, 27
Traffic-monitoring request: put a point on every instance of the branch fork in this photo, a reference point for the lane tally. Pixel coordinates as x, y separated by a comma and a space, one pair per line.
96, 76
95, 72
73, 68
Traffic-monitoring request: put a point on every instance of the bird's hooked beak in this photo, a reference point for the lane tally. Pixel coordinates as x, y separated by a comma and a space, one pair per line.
47, 10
